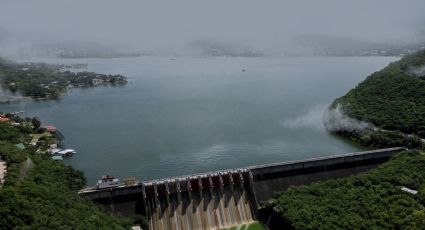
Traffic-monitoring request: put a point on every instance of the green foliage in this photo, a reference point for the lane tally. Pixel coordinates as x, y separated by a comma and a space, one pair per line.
384, 139
371, 200
46, 198
252, 226
10, 153
47, 81
36, 123
391, 99
140, 220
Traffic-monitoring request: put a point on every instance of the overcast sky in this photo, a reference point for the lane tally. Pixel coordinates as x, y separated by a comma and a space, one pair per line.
173, 24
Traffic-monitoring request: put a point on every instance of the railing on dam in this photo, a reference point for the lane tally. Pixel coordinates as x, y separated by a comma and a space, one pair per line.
225, 198
272, 178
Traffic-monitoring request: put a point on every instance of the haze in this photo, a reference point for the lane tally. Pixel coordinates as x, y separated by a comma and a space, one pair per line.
180, 27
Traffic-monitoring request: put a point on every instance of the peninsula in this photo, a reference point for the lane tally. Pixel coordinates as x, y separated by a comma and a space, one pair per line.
49, 81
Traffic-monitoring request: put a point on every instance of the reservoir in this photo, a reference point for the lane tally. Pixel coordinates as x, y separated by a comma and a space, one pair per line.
179, 116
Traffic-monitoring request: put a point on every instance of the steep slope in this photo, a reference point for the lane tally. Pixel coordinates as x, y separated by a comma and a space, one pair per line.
392, 100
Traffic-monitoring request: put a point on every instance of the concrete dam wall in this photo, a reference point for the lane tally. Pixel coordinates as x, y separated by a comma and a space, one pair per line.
226, 198
272, 178
205, 201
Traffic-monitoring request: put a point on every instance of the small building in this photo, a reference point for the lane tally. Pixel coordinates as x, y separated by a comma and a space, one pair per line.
96, 81
4, 119
50, 128
57, 158
20, 146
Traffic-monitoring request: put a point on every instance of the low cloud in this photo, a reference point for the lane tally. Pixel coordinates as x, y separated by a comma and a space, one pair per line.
418, 71
313, 118
336, 120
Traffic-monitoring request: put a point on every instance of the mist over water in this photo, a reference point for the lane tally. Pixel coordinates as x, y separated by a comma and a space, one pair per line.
335, 119
201, 28
191, 115
312, 119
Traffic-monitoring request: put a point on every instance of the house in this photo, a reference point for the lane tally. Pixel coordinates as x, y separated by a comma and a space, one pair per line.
96, 81
20, 146
50, 128
4, 119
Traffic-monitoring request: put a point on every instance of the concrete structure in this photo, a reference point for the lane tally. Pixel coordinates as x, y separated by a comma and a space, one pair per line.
166, 201
272, 178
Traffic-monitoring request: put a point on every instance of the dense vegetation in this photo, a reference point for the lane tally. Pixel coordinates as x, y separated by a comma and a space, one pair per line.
372, 200
40, 193
39, 80
392, 99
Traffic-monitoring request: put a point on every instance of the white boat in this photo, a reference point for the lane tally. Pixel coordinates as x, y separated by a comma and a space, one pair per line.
53, 150
107, 181
67, 152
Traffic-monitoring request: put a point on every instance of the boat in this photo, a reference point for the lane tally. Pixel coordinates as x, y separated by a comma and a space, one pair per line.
107, 181
67, 152
53, 150
57, 158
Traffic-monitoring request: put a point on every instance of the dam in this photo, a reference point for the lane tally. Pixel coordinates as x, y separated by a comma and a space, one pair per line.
225, 198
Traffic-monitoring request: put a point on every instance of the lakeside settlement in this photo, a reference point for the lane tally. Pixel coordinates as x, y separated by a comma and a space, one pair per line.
48, 81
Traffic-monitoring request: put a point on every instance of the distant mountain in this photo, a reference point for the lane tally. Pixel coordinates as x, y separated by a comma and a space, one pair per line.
227, 49
85, 50
343, 46
23, 49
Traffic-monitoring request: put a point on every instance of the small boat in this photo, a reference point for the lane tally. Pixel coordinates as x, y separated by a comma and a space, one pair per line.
57, 158
67, 152
107, 181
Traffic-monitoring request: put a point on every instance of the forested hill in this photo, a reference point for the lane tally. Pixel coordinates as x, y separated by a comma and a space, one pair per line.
392, 98
40, 193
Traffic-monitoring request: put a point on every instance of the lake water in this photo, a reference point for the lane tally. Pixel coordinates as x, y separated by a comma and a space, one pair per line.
190, 115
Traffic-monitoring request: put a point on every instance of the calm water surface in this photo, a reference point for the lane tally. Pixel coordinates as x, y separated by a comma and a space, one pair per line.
189, 115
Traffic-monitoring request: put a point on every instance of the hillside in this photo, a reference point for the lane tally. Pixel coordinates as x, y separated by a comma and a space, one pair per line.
372, 200
39, 193
392, 100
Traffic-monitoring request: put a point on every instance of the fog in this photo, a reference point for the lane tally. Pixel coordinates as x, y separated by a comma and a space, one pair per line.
335, 119
185, 27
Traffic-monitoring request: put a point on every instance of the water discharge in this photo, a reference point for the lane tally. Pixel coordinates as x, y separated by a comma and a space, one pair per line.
211, 202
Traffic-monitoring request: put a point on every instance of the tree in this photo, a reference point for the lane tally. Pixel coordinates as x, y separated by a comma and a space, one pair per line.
36, 123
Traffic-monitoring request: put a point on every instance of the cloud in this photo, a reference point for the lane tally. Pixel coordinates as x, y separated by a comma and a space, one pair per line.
337, 120
418, 71
313, 118
166, 26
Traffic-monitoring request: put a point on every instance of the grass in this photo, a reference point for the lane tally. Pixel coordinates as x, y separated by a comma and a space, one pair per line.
252, 226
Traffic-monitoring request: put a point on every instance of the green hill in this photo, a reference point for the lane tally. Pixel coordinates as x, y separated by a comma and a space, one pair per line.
371, 200
39, 193
392, 99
